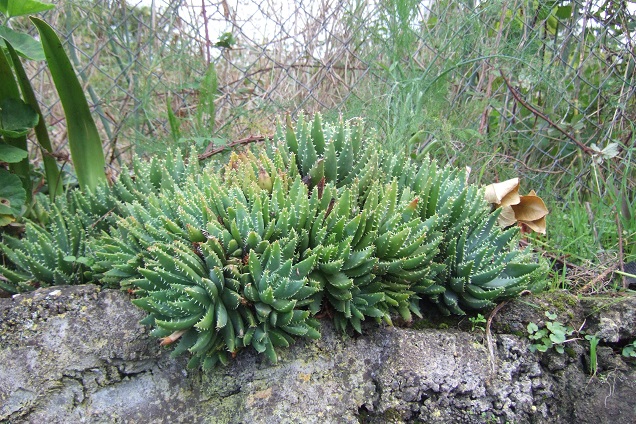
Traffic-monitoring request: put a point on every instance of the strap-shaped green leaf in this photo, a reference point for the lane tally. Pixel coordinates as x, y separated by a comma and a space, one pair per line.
84, 139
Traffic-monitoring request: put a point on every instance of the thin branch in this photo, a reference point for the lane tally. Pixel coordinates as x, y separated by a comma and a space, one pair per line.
621, 252
543, 116
599, 278
592, 220
491, 349
211, 150
522, 163
318, 66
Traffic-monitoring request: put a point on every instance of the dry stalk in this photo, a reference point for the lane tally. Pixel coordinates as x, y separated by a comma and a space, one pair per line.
543, 116
600, 278
489, 342
211, 150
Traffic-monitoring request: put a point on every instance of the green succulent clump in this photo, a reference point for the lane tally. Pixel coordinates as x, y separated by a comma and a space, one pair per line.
251, 252
45, 256
248, 259
53, 249
475, 263
217, 268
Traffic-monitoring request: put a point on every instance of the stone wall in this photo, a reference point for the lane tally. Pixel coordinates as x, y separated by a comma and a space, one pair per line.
77, 354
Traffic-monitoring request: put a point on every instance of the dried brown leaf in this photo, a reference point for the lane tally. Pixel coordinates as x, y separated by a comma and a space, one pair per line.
529, 211
530, 208
507, 217
504, 193
538, 225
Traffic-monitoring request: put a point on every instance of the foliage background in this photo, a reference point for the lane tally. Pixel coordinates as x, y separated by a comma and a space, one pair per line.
543, 90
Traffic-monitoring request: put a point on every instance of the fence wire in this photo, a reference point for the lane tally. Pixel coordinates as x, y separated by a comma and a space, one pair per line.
550, 82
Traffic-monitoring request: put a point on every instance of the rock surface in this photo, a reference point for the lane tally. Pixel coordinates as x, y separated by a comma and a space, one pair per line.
78, 355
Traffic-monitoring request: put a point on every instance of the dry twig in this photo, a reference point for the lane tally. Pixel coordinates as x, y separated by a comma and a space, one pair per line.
211, 150
598, 278
543, 116
491, 348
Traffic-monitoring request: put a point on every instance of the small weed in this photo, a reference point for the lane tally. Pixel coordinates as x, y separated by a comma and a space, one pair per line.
593, 359
489, 418
477, 322
553, 335
629, 351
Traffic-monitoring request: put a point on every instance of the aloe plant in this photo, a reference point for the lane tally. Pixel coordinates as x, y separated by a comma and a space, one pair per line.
475, 263
221, 304
46, 256
247, 272
317, 223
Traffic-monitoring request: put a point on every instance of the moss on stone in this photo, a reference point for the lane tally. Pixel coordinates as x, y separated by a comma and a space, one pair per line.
423, 324
564, 303
392, 415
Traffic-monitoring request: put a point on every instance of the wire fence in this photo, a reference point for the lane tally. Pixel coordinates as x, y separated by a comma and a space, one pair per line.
545, 87
138, 59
